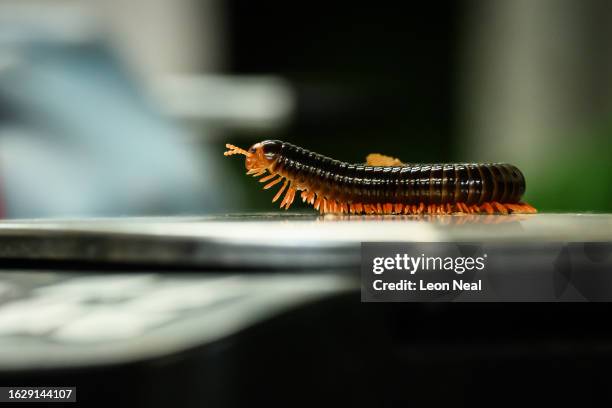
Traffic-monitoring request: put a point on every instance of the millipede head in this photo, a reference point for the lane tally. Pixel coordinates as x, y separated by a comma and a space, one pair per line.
261, 155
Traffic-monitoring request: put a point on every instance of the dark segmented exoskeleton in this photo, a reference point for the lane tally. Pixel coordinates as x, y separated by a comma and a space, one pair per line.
377, 188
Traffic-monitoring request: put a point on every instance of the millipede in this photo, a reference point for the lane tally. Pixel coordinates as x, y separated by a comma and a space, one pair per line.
384, 184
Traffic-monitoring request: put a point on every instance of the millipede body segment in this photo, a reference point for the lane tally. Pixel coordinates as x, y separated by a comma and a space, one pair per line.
384, 185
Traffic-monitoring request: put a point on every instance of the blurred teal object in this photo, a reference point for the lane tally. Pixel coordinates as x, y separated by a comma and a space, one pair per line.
78, 138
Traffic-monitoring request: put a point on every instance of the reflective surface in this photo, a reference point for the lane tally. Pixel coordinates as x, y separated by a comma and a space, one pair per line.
274, 240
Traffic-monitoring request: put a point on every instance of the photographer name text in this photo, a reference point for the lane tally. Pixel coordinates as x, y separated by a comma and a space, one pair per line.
423, 286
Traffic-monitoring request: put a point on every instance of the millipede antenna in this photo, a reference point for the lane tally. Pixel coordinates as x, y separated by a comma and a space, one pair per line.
235, 150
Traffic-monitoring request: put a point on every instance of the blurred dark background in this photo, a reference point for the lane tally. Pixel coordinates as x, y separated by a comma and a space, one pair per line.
359, 72
123, 109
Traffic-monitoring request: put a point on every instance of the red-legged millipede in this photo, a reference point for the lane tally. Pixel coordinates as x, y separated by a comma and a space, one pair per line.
384, 185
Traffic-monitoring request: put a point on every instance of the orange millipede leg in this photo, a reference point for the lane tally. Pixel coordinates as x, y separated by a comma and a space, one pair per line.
311, 197
317, 203
291, 195
499, 207
278, 194
284, 200
510, 207
528, 209
520, 208
286, 197
272, 183
487, 207
264, 179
